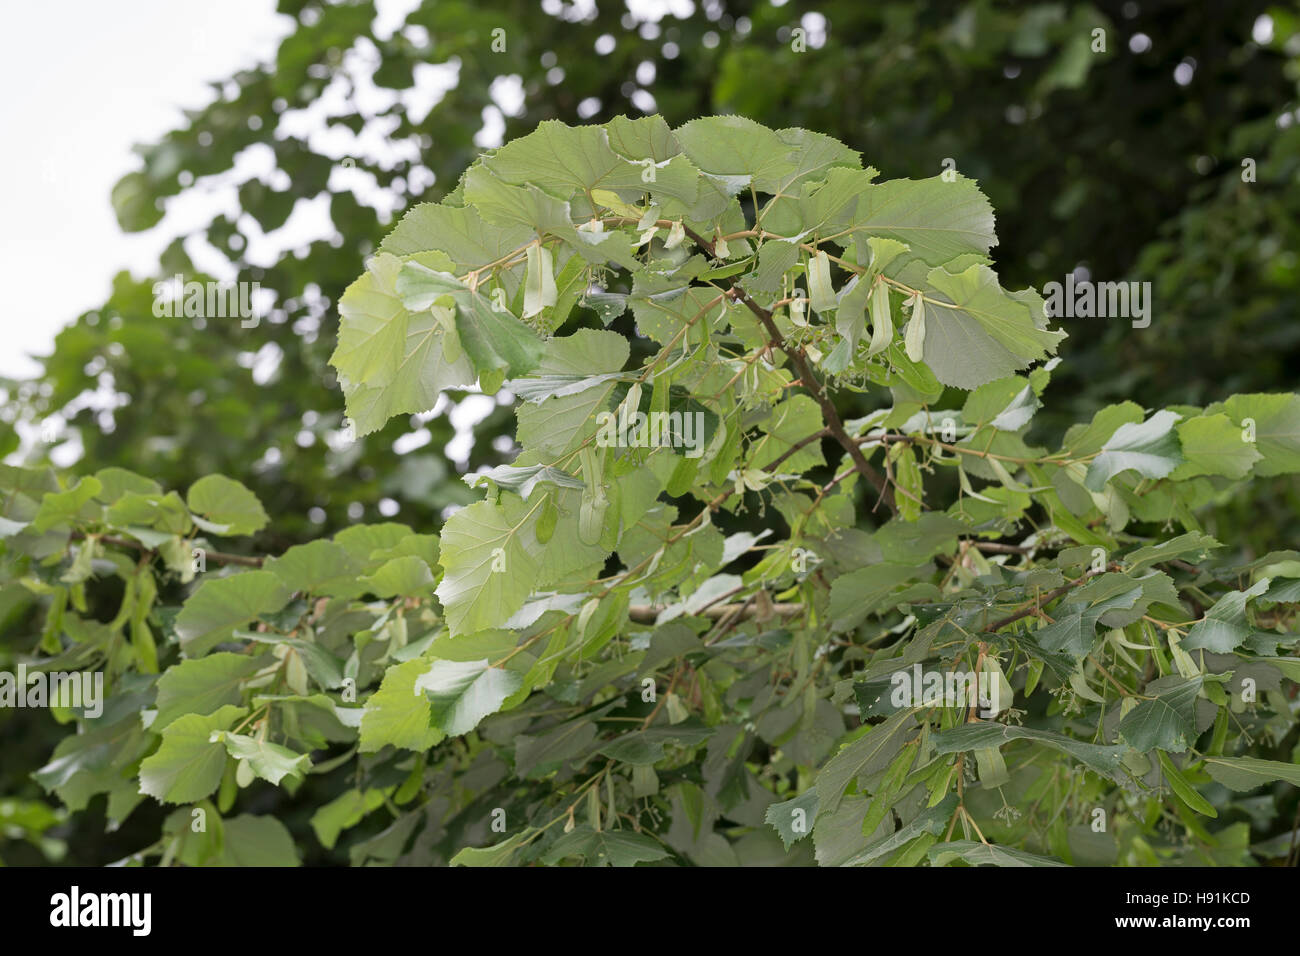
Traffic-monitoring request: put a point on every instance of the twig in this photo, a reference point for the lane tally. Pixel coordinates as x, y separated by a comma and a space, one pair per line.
993, 547
1038, 605
829, 413
648, 613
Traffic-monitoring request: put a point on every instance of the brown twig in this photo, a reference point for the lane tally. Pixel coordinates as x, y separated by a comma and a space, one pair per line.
647, 613
993, 547
1042, 602
829, 413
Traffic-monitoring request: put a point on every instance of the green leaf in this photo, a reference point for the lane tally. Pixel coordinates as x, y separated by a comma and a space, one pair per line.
539, 754
188, 764
118, 481
1167, 721
1151, 449
938, 220
203, 685
793, 818
1247, 773
913, 542
270, 761
933, 821
497, 343
314, 720
10, 528
775, 259
90, 763
221, 604
523, 479
317, 567
1104, 760
391, 361
568, 160
987, 854
1276, 424
137, 513
384, 848
866, 757
499, 854
554, 425
607, 305
457, 232
65, 507
646, 747
1075, 629
407, 576
397, 715
370, 545
342, 813
734, 146
491, 559
1193, 544
817, 159
325, 669
132, 203
253, 841
462, 693
571, 283
859, 593
587, 354
501, 203
976, 332
419, 287
1180, 785
1017, 414
1224, 625
226, 503
605, 847
1213, 445
423, 546
661, 315
791, 421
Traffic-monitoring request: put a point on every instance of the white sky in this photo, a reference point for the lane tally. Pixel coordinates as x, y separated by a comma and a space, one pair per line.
84, 81
122, 73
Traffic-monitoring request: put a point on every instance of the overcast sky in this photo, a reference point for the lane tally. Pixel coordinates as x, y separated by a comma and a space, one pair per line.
84, 81
89, 79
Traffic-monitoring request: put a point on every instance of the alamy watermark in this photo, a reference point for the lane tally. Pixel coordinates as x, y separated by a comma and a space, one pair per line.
175, 298
75, 908
73, 690
1085, 299
929, 688
653, 430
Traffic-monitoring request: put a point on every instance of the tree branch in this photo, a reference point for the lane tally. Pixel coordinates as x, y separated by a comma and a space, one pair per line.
994, 547
810, 381
648, 613
1045, 600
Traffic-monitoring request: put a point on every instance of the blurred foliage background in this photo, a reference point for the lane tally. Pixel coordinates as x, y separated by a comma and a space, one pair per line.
1170, 156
